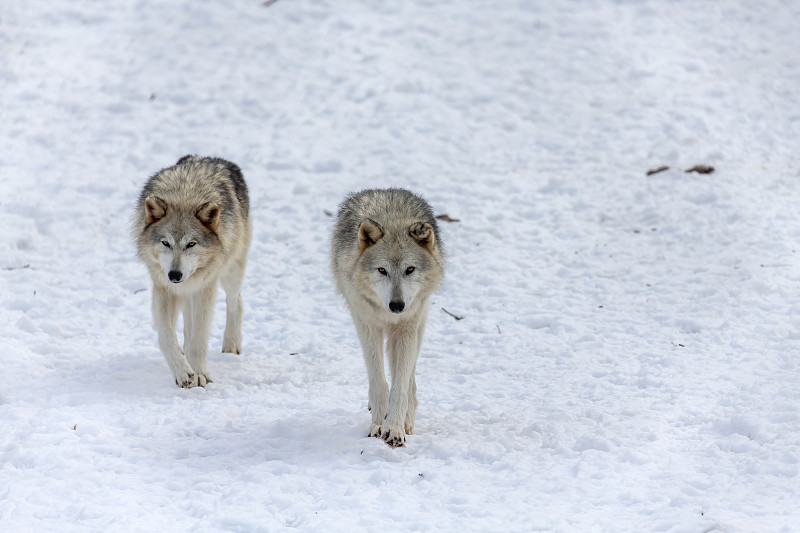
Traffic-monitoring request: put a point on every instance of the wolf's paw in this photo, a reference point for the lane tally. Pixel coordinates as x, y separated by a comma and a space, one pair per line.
231, 346
409, 427
375, 431
394, 436
186, 380
203, 379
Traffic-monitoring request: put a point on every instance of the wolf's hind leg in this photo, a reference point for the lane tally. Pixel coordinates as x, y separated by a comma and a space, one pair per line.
232, 284
411, 413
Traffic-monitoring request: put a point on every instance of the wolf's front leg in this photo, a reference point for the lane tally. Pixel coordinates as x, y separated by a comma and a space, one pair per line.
165, 318
403, 352
372, 345
201, 310
412, 388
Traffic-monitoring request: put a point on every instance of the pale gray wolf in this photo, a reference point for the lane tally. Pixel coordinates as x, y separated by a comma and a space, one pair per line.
192, 230
387, 260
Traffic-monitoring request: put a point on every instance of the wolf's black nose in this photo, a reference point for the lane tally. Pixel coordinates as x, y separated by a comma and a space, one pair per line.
397, 306
175, 276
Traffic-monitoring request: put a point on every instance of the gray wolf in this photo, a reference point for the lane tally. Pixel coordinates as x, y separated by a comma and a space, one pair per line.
387, 260
192, 230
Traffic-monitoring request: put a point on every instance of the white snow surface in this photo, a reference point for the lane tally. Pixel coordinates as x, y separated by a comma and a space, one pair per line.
628, 354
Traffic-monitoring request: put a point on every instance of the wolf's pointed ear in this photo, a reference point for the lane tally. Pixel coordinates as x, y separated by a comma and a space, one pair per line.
154, 209
184, 159
423, 233
208, 215
369, 233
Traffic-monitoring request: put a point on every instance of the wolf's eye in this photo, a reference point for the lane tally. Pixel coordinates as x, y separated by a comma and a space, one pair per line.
409, 270
190, 244
165, 243
382, 271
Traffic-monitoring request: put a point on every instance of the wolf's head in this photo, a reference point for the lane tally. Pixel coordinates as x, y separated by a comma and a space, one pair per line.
397, 264
182, 242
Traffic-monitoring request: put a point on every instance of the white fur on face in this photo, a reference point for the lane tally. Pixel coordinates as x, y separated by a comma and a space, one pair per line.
396, 286
382, 285
177, 257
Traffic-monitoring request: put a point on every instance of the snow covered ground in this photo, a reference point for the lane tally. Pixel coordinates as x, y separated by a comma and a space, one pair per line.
628, 354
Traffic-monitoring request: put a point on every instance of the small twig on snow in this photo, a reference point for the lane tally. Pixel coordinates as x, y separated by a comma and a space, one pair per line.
451, 314
23, 267
447, 218
701, 169
657, 170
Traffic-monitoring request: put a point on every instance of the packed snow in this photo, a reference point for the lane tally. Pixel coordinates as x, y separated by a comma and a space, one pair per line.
610, 351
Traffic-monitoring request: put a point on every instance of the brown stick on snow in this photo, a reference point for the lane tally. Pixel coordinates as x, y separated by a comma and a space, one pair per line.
701, 169
657, 170
451, 314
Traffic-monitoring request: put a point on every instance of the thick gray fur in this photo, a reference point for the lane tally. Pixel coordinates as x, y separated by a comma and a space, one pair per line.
387, 260
192, 230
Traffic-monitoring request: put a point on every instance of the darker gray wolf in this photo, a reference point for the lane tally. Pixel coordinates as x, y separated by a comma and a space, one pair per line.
387, 260
192, 230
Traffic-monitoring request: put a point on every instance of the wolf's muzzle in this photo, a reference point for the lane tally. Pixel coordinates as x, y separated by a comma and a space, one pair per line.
175, 276
397, 306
